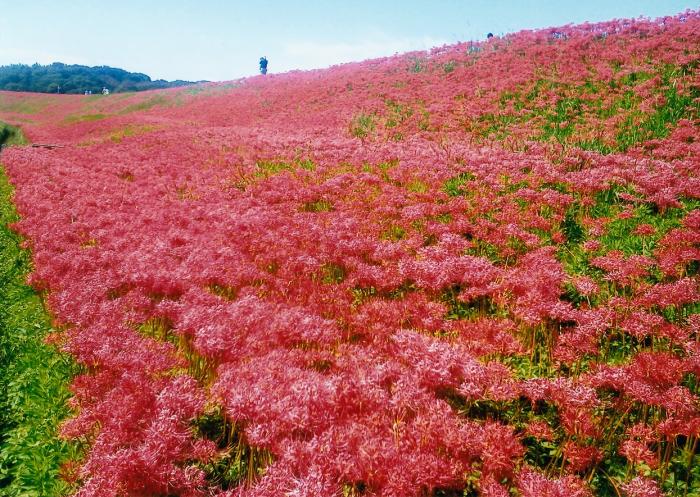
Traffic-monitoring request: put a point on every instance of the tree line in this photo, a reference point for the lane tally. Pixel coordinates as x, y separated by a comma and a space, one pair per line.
64, 78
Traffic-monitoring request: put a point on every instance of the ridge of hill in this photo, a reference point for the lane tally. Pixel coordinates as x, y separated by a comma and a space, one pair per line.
588, 86
73, 78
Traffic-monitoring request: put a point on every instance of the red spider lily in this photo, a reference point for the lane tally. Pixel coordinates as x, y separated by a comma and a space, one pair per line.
678, 293
621, 270
639, 452
585, 286
642, 487
533, 484
644, 230
363, 282
539, 429
580, 458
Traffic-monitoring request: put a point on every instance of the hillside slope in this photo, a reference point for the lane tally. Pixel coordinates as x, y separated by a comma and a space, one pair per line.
472, 271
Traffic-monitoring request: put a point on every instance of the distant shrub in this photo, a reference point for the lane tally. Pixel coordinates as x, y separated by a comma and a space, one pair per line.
362, 126
10, 135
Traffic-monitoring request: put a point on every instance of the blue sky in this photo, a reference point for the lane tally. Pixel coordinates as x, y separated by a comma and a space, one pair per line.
222, 40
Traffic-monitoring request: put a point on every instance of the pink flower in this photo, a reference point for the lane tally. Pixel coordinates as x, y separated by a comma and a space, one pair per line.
533, 484
591, 245
558, 237
539, 429
642, 487
644, 230
585, 286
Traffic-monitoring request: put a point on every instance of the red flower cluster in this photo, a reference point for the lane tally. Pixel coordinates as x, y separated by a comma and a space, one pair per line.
338, 283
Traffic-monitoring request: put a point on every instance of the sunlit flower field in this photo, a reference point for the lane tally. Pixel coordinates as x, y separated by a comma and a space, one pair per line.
468, 272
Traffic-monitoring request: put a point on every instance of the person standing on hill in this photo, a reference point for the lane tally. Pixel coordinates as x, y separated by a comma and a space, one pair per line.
263, 65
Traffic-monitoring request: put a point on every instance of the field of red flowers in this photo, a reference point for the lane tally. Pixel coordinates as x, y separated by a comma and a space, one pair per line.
472, 271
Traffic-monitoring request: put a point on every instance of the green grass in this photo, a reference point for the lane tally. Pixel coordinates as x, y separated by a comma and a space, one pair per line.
84, 118
362, 126
155, 101
23, 106
33, 377
11, 135
580, 110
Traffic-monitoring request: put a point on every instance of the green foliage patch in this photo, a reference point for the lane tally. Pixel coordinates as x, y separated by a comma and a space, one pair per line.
577, 117
11, 135
65, 78
33, 378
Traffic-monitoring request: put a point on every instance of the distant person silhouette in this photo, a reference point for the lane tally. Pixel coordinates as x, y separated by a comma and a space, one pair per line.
489, 36
263, 65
